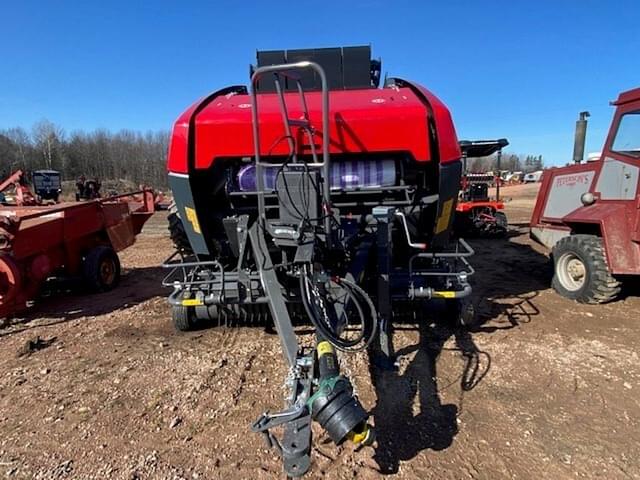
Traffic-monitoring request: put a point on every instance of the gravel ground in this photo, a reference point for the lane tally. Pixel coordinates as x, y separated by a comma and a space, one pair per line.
101, 386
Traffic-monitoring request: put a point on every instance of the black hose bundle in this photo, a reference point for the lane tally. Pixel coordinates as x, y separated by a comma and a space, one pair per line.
320, 320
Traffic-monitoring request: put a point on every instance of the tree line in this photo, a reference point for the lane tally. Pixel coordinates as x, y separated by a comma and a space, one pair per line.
124, 155
512, 162
137, 157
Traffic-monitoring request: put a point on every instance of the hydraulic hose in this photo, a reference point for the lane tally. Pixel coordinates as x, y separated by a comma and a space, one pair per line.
369, 328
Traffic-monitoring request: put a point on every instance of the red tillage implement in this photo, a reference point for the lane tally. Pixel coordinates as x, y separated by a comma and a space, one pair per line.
476, 212
66, 240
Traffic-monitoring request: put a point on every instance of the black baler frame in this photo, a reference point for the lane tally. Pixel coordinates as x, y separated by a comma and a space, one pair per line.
208, 287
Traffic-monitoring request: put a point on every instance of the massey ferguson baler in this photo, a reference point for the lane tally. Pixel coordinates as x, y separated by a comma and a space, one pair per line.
313, 195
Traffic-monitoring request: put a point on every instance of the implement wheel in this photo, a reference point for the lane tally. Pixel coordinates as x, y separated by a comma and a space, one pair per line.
461, 312
581, 272
10, 279
177, 232
502, 224
101, 269
184, 318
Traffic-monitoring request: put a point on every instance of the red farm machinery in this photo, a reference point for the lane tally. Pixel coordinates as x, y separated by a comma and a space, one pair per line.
314, 195
588, 214
14, 190
477, 213
46, 188
67, 240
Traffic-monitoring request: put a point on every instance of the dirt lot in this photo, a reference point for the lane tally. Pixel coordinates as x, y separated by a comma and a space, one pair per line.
541, 388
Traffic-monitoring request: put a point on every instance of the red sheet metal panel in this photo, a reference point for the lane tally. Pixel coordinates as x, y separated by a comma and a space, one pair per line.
613, 219
562, 187
121, 234
468, 206
448, 145
371, 120
367, 120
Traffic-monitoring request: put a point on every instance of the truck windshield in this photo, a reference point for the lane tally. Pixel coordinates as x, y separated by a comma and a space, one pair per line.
627, 139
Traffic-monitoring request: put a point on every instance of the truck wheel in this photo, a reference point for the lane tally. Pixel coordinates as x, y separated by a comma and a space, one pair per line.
177, 232
101, 269
184, 318
581, 272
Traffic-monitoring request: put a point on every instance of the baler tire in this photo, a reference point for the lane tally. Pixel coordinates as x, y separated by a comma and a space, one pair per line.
177, 232
502, 224
101, 269
184, 318
587, 251
461, 313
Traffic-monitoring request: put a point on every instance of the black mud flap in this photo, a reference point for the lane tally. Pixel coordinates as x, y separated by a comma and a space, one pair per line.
181, 188
449, 185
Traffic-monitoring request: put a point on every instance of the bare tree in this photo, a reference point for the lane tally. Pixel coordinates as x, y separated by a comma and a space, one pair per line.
22, 145
48, 139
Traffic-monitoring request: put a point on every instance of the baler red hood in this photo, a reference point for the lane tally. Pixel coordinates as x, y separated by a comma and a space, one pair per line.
369, 121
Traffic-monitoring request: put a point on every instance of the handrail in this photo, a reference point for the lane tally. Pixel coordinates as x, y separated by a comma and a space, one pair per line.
285, 70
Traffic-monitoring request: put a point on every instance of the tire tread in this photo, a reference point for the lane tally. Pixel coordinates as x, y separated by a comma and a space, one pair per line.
183, 318
600, 285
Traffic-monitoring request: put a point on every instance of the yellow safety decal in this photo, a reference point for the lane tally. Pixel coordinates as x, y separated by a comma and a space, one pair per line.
443, 294
445, 216
193, 219
324, 348
191, 302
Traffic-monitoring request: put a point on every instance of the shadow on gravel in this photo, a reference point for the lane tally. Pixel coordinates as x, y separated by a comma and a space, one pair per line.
509, 276
630, 287
401, 432
63, 303
409, 415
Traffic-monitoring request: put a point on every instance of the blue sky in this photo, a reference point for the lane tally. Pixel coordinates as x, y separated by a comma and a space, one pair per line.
515, 69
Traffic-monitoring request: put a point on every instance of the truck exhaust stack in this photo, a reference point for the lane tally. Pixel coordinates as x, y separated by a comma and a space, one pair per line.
580, 138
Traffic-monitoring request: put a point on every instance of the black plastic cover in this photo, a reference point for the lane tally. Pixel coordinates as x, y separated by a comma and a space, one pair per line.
345, 67
482, 148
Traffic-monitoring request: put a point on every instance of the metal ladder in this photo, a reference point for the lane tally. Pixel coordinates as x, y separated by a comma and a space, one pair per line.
289, 71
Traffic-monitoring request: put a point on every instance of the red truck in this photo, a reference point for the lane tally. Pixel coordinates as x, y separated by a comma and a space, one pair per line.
589, 213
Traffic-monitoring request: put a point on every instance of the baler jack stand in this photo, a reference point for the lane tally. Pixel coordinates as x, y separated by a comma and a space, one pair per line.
332, 402
384, 357
295, 447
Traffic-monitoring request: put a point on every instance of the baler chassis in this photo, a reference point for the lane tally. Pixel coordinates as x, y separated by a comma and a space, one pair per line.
297, 260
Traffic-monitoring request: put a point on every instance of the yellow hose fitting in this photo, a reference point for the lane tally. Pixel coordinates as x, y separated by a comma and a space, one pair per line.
324, 348
362, 435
